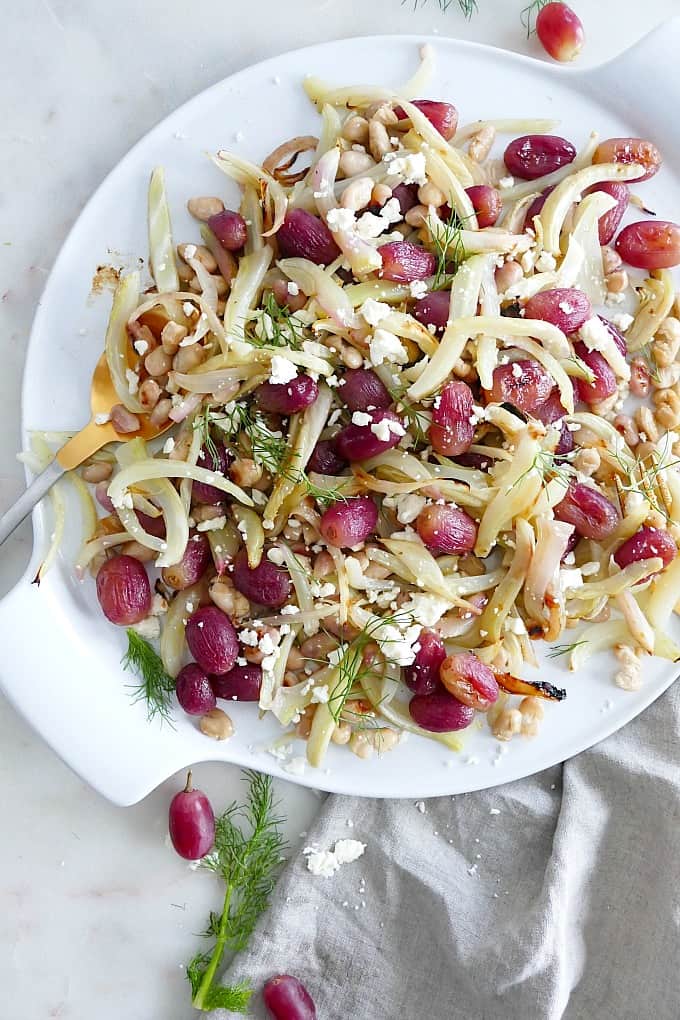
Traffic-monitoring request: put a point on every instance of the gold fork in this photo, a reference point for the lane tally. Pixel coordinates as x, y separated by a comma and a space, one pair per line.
103, 398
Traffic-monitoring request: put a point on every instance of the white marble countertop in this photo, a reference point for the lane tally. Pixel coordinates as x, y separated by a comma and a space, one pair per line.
96, 914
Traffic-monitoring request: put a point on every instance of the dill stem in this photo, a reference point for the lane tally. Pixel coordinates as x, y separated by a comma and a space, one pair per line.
198, 1000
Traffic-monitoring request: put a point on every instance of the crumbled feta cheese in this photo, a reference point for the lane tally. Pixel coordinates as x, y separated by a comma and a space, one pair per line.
385, 346
282, 371
361, 418
325, 863
516, 370
382, 429
623, 321
293, 289
189, 251
149, 628
141, 346
188, 308
102, 419
322, 590
426, 608
515, 625
249, 637
410, 168
340, 219
506, 182
289, 610
266, 644
320, 695
296, 766
335, 655
132, 380
546, 263
417, 289
399, 648
409, 506
275, 555
374, 311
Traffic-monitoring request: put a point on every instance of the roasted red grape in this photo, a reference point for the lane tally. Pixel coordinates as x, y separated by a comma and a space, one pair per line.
123, 590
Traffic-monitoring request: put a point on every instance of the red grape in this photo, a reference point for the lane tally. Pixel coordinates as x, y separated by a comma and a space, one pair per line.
194, 692
610, 221
452, 430
650, 244
287, 398
566, 308
533, 156
308, 237
560, 31
213, 458
630, 150
404, 262
603, 385
447, 529
524, 383
230, 229
349, 522
442, 116
241, 683
286, 998
422, 677
433, 309
192, 566
360, 442
487, 203
123, 590
440, 712
212, 640
470, 680
362, 389
325, 459
591, 513
191, 822
266, 584
646, 544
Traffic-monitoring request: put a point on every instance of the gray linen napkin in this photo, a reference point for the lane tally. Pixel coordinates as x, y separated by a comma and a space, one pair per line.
552, 897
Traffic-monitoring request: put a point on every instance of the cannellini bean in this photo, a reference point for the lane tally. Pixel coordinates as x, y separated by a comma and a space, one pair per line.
532, 713
245, 472
644, 419
139, 551
342, 733
124, 421
161, 412
203, 208
506, 724
353, 163
416, 216
507, 276
216, 724
198, 252
149, 393
318, 646
378, 139
429, 194
158, 362
171, 336
667, 408
224, 595
98, 471
481, 143
355, 129
188, 358
357, 194
611, 260
381, 193
617, 281
323, 565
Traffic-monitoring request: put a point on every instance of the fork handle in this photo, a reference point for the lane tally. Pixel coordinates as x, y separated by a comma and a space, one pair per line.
13, 517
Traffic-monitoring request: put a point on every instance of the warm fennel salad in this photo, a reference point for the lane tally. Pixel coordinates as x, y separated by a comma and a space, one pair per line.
401, 453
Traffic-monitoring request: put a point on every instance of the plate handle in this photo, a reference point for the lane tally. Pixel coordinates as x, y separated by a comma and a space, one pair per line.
654, 58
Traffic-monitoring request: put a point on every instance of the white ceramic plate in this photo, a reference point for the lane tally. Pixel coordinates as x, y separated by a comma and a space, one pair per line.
61, 659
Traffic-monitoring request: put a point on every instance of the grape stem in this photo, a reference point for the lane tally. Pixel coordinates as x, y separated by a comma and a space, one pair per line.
189, 787
198, 1000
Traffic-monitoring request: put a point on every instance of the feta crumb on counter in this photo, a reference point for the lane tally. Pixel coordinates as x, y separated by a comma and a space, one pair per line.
325, 863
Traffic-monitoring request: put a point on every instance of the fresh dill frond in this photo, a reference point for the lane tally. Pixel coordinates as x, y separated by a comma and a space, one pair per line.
268, 448
202, 423
352, 665
647, 352
418, 420
467, 7
528, 15
558, 650
324, 497
278, 326
156, 687
548, 465
247, 855
447, 238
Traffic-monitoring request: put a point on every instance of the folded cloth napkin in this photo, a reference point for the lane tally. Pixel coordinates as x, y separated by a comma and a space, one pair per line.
551, 897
